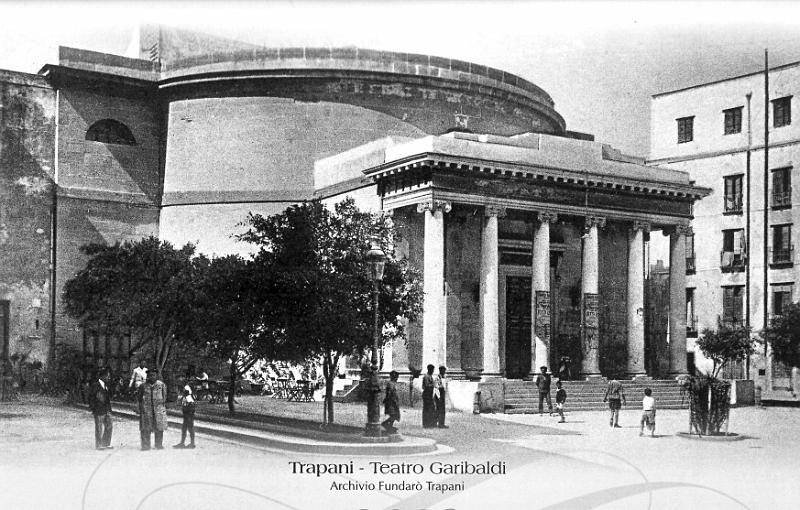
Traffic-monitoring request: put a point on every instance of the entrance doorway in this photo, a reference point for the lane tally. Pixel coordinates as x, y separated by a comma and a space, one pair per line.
518, 326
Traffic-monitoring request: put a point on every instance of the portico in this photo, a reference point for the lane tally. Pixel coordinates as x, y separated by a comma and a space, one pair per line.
531, 248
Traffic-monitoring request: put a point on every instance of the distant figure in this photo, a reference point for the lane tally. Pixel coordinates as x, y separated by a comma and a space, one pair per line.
648, 413
391, 403
100, 395
152, 410
565, 368
138, 376
187, 402
561, 397
428, 407
615, 396
203, 379
439, 397
543, 383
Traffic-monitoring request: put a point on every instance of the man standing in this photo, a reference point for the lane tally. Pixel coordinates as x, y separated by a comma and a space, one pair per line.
440, 390
543, 383
100, 403
615, 396
152, 410
138, 376
428, 406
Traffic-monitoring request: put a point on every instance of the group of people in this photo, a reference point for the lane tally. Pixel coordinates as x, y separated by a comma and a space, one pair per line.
151, 397
614, 395
434, 406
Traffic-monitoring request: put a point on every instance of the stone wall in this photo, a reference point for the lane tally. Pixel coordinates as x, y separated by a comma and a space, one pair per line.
27, 134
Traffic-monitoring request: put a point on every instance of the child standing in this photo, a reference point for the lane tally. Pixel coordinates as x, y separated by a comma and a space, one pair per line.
648, 413
561, 397
187, 401
391, 403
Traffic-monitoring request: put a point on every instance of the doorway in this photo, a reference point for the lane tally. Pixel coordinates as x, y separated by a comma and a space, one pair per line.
518, 326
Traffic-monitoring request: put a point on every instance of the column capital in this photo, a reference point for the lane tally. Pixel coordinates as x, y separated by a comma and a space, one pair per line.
684, 230
546, 216
644, 226
435, 205
595, 221
493, 210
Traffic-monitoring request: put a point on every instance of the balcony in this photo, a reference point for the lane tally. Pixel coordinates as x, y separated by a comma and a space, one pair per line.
782, 199
732, 261
733, 204
690, 264
730, 321
781, 257
691, 326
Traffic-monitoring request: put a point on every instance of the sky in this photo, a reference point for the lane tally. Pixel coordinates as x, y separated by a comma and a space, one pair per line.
599, 61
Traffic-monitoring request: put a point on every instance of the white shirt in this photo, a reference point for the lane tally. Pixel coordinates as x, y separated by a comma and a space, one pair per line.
648, 403
138, 377
102, 384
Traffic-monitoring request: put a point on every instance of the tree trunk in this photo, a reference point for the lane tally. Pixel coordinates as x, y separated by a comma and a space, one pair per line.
232, 388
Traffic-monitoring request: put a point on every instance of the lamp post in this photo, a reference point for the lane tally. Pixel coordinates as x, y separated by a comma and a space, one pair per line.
376, 260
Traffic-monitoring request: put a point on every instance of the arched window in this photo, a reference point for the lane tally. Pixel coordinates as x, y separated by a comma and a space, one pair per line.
110, 131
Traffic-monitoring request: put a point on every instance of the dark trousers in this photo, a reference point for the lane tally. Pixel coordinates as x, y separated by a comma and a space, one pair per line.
428, 409
102, 430
188, 425
441, 408
545, 395
146, 439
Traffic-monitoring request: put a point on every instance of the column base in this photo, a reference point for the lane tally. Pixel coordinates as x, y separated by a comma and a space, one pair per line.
491, 376
678, 375
640, 377
593, 377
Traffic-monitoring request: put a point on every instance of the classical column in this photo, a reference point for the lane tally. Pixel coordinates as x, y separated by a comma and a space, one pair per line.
540, 288
590, 365
677, 300
434, 340
636, 365
490, 310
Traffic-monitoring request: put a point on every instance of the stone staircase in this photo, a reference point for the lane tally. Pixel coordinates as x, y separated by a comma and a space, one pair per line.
523, 397
347, 392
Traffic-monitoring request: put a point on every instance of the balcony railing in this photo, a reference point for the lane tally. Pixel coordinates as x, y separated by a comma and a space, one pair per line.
782, 255
730, 322
690, 267
732, 261
782, 198
691, 325
733, 203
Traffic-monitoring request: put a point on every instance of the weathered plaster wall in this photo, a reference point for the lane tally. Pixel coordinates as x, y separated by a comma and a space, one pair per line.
27, 129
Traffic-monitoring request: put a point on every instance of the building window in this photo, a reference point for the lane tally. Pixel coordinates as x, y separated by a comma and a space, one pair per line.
733, 194
781, 297
734, 250
782, 112
733, 120
691, 318
732, 307
782, 188
782, 249
685, 129
110, 131
690, 256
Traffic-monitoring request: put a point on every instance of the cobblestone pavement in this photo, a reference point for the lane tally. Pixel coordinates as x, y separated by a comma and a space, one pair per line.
48, 461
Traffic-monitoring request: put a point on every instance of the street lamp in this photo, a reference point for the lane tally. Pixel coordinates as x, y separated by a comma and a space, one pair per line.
376, 260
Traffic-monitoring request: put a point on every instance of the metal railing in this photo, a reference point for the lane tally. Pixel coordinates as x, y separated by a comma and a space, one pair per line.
690, 264
691, 324
782, 198
733, 203
730, 322
782, 255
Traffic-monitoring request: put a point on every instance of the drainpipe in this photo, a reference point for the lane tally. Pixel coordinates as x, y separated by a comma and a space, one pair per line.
766, 195
749, 96
53, 240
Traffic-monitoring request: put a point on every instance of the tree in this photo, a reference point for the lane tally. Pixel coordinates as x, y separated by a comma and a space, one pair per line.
312, 270
229, 304
141, 288
725, 346
783, 336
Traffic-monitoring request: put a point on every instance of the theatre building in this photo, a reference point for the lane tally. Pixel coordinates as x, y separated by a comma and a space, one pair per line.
532, 239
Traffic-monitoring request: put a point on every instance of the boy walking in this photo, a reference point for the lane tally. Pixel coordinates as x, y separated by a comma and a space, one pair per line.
187, 401
648, 413
561, 397
543, 384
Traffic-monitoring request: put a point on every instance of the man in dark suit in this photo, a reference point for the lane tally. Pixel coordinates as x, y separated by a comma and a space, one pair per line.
100, 403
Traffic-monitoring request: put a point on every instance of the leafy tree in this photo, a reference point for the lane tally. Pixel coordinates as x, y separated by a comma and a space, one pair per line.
143, 288
228, 324
725, 346
783, 336
315, 281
